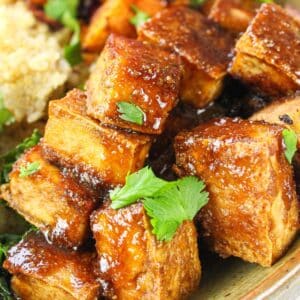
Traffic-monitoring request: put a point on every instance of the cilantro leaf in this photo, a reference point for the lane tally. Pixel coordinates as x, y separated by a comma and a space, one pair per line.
170, 207
6, 117
29, 169
140, 184
196, 3
7, 160
290, 140
139, 18
130, 112
65, 12
168, 204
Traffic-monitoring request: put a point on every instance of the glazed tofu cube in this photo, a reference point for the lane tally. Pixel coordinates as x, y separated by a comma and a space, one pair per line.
285, 112
134, 265
56, 204
114, 16
253, 208
234, 15
42, 271
202, 46
267, 55
96, 154
143, 76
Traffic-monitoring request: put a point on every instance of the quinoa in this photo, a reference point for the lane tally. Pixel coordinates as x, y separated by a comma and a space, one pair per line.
32, 67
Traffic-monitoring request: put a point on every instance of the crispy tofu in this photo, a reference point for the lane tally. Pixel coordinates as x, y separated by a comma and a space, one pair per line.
285, 112
96, 154
113, 16
202, 46
134, 265
234, 15
42, 271
130, 71
252, 211
65, 221
268, 53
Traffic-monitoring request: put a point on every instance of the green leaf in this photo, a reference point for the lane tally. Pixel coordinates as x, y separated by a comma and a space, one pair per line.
140, 184
168, 204
5, 293
130, 112
169, 207
196, 3
265, 1
290, 140
6, 117
7, 160
55, 9
65, 12
139, 18
29, 169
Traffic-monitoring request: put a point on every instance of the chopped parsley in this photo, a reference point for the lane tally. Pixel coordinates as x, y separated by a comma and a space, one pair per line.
130, 112
65, 12
196, 3
29, 169
290, 140
168, 204
7, 160
6, 117
139, 18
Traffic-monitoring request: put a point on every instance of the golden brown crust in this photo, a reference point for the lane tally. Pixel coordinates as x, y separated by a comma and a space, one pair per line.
253, 209
234, 15
131, 71
52, 202
73, 139
134, 265
69, 271
285, 112
270, 50
195, 38
203, 46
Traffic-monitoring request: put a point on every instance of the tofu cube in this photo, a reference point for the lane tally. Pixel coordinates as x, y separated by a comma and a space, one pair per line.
267, 54
285, 112
56, 204
134, 265
144, 76
42, 271
234, 15
202, 46
114, 16
252, 211
98, 155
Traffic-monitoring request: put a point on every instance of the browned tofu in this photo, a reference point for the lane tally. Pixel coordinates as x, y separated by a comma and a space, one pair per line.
234, 15
113, 16
268, 53
56, 204
134, 265
97, 154
144, 76
202, 45
285, 112
42, 271
252, 211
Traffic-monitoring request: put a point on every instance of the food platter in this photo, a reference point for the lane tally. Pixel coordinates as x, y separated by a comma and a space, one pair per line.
158, 147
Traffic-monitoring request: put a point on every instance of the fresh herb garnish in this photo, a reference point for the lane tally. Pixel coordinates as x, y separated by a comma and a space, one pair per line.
6, 117
65, 12
290, 140
168, 204
196, 3
29, 169
130, 112
7, 160
139, 18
